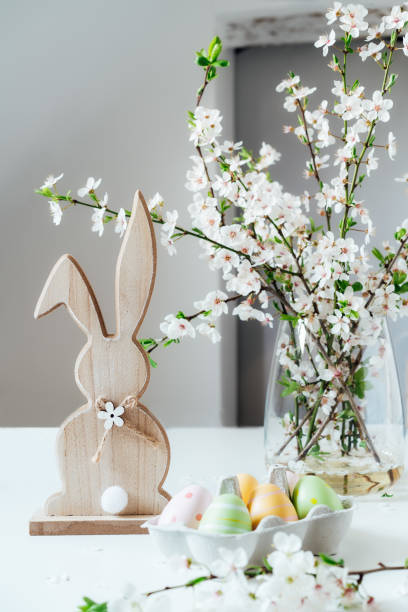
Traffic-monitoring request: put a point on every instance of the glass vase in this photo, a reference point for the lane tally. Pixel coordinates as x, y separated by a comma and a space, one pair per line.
354, 455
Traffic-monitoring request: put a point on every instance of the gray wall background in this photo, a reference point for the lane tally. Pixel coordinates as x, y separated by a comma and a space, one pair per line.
260, 116
101, 88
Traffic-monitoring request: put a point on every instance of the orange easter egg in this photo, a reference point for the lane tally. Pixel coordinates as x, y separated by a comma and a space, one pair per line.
247, 484
267, 500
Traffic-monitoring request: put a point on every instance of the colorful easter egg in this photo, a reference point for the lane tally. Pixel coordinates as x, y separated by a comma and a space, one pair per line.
226, 514
267, 500
247, 484
312, 490
187, 507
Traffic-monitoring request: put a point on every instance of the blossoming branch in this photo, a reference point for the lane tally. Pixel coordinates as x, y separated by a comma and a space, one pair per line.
275, 258
289, 579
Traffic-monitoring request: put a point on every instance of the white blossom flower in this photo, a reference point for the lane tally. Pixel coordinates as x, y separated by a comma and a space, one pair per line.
334, 12
391, 146
91, 185
168, 243
338, 89
371, 50
229, 147
56, 212
51, 181
287, 83
286, 543
290, 104
97, 218
196, 177
111, 415
229, 561
303, 92
378, 107
175, 328
376, 31
350, 107
121, 222
326, 41
214, 301
169, 225
372, 162
352, 19
245, 312
340, 324
209, 329
155, 202
268, 156
206, 126
246, 281
396, 19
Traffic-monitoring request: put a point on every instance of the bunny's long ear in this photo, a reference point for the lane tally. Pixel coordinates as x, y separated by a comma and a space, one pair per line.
67, 285
135, 269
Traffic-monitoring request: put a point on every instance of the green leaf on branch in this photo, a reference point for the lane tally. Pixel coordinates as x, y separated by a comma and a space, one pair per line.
386, 494
349, 224
400, 234
267, 564
392, 80
294, 320
147, 342
195, 581
341, 285
357, 286
253, 570
401, 288
378, 254
398, 277
202, 61
152, 362
197, 231
180, 315
330, 561
291, 386
313, 226
360, 384
355, 85
214, 48
92, 606
46, 191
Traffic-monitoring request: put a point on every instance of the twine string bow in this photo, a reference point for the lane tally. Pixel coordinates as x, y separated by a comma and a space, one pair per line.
107, 407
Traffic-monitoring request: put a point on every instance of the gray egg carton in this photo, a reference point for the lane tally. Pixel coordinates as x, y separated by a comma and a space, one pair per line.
321, 531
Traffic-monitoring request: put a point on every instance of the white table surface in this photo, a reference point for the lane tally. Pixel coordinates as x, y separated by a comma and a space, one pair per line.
50, 574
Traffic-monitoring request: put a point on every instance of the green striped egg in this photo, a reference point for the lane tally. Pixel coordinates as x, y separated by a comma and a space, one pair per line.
226, 514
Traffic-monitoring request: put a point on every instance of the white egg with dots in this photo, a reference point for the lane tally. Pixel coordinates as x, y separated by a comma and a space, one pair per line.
114, 500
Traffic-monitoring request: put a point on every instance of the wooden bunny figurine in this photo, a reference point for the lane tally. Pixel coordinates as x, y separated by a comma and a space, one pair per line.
113, 440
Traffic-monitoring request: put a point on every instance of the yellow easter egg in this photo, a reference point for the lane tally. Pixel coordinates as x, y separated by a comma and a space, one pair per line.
267, 500
247, 484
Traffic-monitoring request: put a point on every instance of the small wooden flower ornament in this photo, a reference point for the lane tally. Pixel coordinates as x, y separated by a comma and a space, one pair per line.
112, 448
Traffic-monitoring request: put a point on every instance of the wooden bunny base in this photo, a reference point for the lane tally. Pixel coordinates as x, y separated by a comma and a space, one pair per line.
40, 525
113, 440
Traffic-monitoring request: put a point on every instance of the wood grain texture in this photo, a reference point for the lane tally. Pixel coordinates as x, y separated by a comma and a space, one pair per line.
111, 366
40, 524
